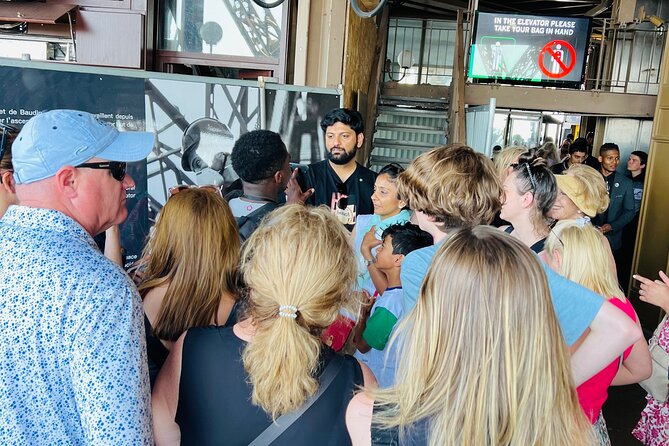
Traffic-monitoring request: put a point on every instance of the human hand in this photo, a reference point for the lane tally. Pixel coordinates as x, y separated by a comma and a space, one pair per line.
654, 292
605, 228
369, 241
294, 194
367, 302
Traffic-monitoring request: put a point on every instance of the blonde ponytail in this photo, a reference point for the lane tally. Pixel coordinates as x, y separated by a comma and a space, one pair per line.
297, 263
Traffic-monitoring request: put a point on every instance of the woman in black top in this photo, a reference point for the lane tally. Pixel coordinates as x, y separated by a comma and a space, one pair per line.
226, 385
529, 193
191, 270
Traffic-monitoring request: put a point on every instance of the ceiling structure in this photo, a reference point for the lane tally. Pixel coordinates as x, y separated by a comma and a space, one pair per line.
446, 9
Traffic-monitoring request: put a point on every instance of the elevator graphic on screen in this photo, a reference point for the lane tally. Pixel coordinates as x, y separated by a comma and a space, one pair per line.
515, 48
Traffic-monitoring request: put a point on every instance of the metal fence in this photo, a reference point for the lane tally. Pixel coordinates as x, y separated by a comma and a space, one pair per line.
622, 60
420, 51
626, 60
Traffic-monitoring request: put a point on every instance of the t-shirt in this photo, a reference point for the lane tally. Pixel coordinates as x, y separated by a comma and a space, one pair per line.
242, 208
346, 199
593, 393
362, 226
637, 188
575, 306
387, 310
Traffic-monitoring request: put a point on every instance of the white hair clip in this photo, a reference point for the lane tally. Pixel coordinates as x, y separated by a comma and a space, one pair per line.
288, 311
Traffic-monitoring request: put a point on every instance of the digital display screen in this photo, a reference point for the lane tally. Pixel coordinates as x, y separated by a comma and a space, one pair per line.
529, 49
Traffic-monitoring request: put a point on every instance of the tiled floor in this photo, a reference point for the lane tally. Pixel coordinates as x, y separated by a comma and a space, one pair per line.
621, 412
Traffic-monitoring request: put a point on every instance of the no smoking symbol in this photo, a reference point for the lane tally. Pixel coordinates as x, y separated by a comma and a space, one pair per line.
555, 50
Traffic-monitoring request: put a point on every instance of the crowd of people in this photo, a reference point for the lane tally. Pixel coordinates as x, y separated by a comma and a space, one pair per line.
457, 301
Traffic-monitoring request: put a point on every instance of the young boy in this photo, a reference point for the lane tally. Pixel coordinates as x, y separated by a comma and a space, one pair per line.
372, 332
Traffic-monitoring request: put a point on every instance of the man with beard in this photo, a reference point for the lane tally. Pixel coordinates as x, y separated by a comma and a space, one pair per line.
339, 182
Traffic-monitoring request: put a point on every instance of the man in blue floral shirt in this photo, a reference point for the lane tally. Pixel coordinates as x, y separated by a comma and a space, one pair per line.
72, 349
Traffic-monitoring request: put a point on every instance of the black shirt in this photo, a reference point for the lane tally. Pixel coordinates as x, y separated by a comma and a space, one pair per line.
156, 352
215, 406
346, 199
537, 247
558, 168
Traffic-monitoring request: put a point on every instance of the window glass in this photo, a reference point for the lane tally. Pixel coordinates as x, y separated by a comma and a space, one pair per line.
221, 27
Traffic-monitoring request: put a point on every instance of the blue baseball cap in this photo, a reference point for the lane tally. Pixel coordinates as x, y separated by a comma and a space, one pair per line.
58, 138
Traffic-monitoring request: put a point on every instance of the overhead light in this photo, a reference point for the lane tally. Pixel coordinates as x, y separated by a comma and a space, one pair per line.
655, 20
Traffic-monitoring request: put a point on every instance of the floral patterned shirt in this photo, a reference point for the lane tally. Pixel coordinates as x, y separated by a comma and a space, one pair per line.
72, 348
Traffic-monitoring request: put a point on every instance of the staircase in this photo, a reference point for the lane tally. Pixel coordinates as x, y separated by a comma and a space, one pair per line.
407, 126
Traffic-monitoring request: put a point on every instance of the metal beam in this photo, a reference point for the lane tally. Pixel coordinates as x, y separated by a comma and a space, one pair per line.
598, 103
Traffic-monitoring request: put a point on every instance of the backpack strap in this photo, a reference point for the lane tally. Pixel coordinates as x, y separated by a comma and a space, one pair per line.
282, 423
248, 223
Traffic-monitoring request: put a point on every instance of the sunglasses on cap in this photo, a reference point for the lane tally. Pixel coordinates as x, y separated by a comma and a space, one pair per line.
6, 129
181, 187
117, 168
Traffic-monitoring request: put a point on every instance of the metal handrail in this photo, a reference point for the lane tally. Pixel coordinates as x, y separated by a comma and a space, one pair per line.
628, 60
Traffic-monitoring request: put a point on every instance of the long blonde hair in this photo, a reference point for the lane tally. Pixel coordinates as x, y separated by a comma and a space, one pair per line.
483, 358
585, 260
195, 251
299, 257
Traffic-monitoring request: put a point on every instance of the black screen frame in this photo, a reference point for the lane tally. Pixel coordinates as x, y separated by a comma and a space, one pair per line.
543, 83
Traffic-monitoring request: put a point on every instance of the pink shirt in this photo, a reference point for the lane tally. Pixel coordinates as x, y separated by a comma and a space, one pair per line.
593, 393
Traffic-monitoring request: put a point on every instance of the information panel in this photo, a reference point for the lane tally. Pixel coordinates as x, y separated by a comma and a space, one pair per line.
529, 49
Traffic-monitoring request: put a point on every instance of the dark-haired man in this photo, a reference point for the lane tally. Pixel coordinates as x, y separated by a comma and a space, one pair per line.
261, 160
636, 171
578, 153
339, 181
621, 193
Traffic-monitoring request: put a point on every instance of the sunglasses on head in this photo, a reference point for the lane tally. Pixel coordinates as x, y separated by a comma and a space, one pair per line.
116, 168
6, 129
181, 187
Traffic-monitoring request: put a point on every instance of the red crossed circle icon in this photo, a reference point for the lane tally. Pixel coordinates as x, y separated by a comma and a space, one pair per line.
556, 57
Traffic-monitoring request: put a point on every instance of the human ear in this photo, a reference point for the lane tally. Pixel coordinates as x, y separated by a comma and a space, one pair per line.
557, 260
360, 138
278, 177
7, 180
399, 258
67, 181
528, 199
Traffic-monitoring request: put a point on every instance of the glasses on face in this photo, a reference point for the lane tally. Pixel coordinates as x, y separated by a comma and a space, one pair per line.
181, 187
116, 168
6, 129
342, 203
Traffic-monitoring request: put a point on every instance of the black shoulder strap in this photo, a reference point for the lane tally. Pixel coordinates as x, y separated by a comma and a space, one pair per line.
282, 423
248, 223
